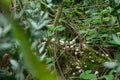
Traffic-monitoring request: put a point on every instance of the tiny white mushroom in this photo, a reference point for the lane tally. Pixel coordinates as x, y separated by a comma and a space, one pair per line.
96, 72
90, 57
66, 41
77, 49
71, 46
62, 42
73, 73
103, 54
92, 61
106, 55
76, 53
67, 47
77, 67
85, 66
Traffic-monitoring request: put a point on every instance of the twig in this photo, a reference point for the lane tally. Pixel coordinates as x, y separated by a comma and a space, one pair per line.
58, 14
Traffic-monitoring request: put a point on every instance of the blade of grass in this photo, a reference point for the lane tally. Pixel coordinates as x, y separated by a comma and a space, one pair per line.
36, 68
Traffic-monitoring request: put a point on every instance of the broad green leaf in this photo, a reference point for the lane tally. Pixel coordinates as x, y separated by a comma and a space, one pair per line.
41, 47
33, 23
42, 57
88, 75
49, 1
51, 27
17, 16
60, 28
110, 64
117, 55
109, 77
41, 24
118, 69
5, 46
116, 39
112, 20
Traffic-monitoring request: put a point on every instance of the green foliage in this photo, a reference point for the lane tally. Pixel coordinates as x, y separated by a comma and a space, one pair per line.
87, 75
110, 76
35, 67
84, 40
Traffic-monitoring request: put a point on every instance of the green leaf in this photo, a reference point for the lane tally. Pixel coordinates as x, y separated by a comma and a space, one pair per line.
43, 7
109, 77
112, 20
117, 55
33, 65
87, 75
51, 27
115, 41
33, 23
17, 16
43, 57
118, 69
60, 28
41, 24
49, 1
5, 46
110, 64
